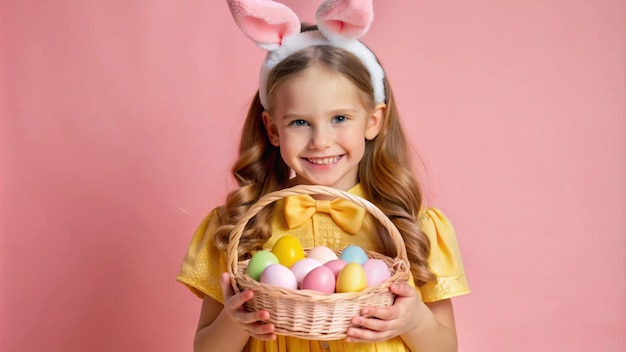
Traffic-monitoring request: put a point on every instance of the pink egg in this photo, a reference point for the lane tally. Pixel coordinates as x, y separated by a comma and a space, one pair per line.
322, 254
279, 276
319, 279
376, 271
303, 267
335, 265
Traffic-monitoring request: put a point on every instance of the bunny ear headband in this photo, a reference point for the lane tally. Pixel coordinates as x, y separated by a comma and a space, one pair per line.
276, 28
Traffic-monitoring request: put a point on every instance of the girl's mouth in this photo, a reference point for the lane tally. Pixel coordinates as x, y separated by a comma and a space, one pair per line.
324, 161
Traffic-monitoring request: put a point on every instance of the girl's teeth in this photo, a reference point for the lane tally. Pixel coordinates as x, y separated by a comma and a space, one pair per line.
324, 161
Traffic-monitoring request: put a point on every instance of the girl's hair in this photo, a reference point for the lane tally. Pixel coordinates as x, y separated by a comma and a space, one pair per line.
385, 172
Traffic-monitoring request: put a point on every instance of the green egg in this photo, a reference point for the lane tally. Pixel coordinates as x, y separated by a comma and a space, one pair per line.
260, 260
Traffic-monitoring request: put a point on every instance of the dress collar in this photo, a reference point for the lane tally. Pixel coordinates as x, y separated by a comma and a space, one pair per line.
357, 190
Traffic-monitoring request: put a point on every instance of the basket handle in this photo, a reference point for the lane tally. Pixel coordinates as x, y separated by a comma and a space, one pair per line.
237, 231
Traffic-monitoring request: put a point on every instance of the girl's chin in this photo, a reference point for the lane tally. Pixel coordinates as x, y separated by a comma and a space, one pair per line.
339, 184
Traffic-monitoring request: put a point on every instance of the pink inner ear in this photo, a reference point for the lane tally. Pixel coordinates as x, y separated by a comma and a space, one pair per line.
264, 32
335, 25
344, 28
265, 22
346, 18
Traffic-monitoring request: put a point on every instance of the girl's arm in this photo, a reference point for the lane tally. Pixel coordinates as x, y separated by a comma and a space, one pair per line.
228, 327
437, 332
424, 327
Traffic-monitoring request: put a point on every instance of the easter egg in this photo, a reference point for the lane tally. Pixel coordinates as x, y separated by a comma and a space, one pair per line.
303, 267
322, 254
319, 279
353, 254
351, 278
376, 271
288, 250
335, 265
259, 261
278, 275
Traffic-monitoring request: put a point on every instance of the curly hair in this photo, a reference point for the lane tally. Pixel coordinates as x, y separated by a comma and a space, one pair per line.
386, 172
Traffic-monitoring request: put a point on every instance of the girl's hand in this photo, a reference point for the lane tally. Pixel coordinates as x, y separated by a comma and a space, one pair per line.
379, 324
251, 322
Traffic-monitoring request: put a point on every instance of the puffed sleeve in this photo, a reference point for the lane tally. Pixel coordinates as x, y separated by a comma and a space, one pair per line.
444, 259
204, 263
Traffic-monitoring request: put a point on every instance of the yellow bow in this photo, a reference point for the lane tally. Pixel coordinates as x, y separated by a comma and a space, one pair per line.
348, 215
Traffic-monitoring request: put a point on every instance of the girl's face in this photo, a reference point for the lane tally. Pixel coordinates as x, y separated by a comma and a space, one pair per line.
320, 124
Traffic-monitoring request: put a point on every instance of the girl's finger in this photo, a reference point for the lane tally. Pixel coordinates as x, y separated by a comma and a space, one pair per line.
259, 329
227, 289
388, 313
231, 300
252, 317
245, 317
402, 289
362, 334
370, 323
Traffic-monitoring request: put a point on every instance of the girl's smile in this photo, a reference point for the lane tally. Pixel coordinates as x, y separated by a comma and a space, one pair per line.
324, 161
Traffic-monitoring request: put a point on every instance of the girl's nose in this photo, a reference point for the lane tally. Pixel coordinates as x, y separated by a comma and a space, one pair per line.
321, 138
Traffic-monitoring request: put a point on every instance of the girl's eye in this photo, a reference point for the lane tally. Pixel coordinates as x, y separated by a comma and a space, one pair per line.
299, 123
339, 118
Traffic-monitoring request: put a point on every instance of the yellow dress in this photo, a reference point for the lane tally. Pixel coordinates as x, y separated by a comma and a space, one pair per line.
203, 265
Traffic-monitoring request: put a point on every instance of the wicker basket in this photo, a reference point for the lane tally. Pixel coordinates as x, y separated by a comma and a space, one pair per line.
309, 314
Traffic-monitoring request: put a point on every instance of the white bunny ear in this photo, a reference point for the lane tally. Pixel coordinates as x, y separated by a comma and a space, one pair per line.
342, 20
264, 21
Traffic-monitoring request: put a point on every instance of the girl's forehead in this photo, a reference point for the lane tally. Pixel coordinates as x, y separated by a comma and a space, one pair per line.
316, 78
318, 70
318, 73
316, 92
316, 81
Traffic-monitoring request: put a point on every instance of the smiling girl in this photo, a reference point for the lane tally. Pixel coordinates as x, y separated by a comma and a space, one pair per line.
325, 115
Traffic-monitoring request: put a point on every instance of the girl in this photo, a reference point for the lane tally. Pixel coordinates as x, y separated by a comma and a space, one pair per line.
324, 115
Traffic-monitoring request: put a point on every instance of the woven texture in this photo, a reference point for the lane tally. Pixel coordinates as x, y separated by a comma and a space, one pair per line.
310, 314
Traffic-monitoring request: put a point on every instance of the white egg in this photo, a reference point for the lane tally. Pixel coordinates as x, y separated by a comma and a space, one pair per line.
322, 254
280, 276
302, 267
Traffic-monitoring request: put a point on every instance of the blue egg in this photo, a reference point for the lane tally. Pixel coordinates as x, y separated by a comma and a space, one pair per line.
354, 254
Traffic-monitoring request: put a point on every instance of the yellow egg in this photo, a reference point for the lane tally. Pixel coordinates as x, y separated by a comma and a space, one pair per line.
288, 250
351, 278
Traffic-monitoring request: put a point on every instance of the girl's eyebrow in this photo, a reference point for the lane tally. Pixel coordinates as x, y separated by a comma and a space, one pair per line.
292, 116
348, 111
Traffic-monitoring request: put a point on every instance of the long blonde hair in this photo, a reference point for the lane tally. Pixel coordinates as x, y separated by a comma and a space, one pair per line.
386, 172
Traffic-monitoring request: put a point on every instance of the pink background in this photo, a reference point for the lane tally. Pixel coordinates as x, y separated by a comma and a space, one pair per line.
120, 122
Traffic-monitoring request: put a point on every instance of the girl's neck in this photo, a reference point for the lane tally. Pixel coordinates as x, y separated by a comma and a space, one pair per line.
294, 182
